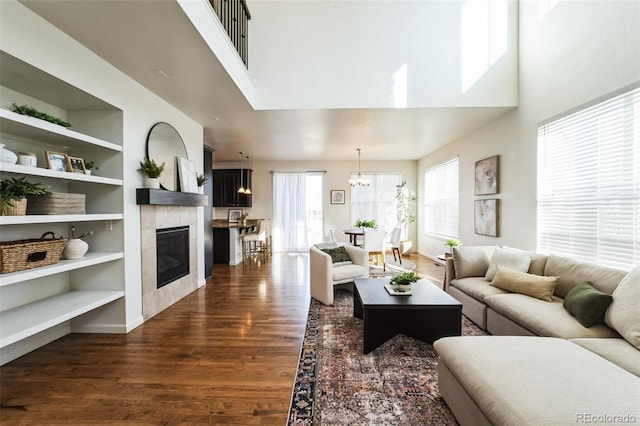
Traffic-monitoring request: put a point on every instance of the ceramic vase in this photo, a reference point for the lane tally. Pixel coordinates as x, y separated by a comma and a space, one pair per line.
75, 249
7, 156
152, 183
404, 287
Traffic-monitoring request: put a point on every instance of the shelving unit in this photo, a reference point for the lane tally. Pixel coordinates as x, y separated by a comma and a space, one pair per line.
31, 305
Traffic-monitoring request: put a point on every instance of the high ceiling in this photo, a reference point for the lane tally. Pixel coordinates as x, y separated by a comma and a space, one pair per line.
143, 36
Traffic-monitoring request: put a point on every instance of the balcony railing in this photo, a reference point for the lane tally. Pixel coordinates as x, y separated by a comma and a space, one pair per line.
234, 16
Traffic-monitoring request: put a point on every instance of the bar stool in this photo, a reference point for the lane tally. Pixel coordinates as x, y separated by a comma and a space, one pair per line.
255, 243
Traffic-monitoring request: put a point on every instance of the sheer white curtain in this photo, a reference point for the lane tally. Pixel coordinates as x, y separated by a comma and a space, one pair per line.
289, 211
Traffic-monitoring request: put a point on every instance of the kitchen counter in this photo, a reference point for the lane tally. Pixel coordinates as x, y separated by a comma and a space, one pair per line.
227, 245
221, 223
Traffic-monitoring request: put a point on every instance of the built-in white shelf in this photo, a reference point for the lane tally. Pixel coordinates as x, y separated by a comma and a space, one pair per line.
36, 129
90, 259
27, 320
58, 218
39, 171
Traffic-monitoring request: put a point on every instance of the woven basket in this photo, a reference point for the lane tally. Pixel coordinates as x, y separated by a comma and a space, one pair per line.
56, 203
14, 207
27, 254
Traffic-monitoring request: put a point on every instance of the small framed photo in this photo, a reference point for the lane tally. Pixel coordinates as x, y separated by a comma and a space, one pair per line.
337, 196
486, 176
235, 215
76, 165
57, 161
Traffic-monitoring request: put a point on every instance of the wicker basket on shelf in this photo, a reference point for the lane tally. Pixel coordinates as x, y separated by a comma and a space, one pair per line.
14, 207
57, 203
21, 255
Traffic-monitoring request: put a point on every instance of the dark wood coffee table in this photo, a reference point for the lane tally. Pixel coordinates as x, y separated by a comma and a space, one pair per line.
427, 314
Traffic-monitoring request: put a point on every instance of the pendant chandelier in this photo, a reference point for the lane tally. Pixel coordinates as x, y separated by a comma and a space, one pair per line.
241, 190
359, 180
247, 190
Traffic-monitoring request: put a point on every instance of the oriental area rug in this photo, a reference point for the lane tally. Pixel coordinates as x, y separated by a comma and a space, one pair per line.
336, 384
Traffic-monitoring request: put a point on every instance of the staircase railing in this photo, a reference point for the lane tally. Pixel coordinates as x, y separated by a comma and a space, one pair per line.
234, 16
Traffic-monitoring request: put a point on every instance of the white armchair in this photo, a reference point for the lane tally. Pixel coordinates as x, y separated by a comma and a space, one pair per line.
324, 276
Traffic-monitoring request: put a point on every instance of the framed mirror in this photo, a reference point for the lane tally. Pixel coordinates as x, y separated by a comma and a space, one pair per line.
164, 145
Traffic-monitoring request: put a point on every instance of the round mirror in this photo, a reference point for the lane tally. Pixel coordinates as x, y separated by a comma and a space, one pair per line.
164, 145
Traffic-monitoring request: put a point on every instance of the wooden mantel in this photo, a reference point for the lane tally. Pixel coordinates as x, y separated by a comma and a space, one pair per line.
169, 198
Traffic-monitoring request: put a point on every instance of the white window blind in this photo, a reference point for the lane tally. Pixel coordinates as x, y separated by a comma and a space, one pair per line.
589, 183
441, 199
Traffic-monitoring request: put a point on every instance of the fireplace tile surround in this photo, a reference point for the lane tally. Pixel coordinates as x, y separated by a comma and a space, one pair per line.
152, 217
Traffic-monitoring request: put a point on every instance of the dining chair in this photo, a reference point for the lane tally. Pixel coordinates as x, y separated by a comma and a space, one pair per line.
394, 243
332, 236
374, 244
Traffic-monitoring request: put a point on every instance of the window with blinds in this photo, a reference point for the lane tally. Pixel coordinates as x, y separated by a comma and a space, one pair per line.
441, 199
589, 183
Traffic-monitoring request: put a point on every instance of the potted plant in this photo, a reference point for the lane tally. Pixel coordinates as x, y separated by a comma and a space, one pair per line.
151, 171
90, 165
403, 281
201, 180
366, 224
451, 242
405, 203
13, 193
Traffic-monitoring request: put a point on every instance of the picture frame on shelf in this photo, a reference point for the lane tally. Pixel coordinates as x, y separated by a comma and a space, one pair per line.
57, 161
76, 165
235, 215
486, 217
487, 176
337, 196
187, 175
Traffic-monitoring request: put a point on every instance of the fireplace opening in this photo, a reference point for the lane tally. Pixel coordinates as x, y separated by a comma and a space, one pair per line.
172, 254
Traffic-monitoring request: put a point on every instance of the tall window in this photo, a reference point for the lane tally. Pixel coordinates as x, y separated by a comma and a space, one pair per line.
589, 183
376, 201
289, 211
441, 199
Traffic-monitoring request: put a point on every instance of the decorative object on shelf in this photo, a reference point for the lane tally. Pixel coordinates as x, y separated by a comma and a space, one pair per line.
402, 282
366, 224
76, 165
165, 145
337, 196
20, 255
57, 203
235, 215
76, 248
359, 180
32, 112
89, 166
28, 159
7, 156
243, 218
57, 161
451, 242
151, 171
13, 193
188, 175
486, 176
486, 217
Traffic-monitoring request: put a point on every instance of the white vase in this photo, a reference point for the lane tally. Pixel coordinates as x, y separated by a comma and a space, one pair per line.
404, 287
152, 183
7, 156
75, 249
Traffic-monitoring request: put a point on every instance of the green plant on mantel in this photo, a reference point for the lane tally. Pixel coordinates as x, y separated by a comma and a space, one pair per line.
149, 168
15, 189
32, 112
201, 179
366, 224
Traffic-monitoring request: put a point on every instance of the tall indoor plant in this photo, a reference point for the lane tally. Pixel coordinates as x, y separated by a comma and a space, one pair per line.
405, 213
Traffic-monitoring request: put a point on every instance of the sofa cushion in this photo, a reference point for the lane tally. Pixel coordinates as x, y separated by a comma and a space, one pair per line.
476, 287
544, 318
624, 313
573, 272
346, 272
618, 351
538, 262
472, 261
516, 260
537, 380
520, 282
587, 304
338, 255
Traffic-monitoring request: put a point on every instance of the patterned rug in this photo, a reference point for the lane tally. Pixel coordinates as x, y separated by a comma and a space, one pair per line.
337, 384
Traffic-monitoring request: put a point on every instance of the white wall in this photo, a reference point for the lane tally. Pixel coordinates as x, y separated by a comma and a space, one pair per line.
336, 216
579, 51
35, 41
345, 54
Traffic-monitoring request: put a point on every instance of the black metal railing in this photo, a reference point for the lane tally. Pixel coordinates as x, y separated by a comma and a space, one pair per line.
234, 16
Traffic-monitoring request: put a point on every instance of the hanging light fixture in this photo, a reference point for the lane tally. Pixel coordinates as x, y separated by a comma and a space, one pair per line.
247, 190
359, 180
241, 190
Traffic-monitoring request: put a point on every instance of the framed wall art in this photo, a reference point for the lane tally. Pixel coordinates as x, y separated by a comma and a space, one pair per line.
486, 217
337, 196
486, 176
187, 173
57, 161
235, 215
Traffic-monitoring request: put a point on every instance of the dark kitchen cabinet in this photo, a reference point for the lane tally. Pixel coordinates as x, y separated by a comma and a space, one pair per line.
225, 188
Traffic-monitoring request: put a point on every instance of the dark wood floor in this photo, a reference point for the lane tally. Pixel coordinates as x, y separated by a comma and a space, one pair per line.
227, 354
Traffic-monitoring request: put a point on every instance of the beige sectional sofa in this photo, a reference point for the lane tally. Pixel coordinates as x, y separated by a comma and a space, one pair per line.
541, 365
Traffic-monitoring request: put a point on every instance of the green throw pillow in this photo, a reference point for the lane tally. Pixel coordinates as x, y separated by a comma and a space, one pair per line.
338, 254
587, 304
